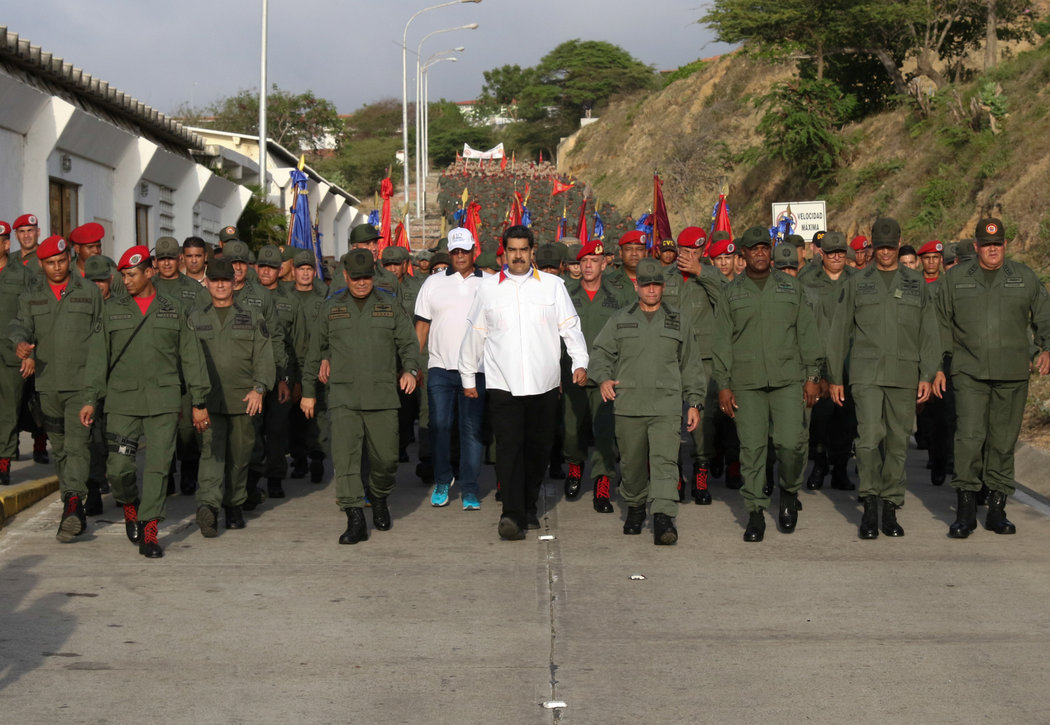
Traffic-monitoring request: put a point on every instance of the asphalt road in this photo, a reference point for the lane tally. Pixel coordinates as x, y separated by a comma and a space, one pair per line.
437, 621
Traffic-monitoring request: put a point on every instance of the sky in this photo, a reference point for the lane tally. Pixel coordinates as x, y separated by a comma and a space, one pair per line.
198, 51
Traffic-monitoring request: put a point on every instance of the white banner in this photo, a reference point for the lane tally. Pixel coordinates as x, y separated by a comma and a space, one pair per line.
493, 153
807, 217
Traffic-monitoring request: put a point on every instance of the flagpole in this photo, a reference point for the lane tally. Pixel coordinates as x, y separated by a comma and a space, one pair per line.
262, 108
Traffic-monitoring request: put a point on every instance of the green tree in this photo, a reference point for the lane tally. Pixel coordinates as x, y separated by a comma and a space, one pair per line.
261, 222
449, 130
299, 122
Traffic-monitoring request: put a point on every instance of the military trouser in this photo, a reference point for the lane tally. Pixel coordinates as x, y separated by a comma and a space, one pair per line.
98, 446
649, 461
831, 429
776, 413
226, 449
123, 433
187, 442
988, 422
589, 421
11, 384
69, 439
705, 435
884, 418
727, 441
271, 437
937, 418
373, 430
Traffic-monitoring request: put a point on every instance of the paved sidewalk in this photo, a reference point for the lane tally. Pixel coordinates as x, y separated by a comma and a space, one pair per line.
437, 621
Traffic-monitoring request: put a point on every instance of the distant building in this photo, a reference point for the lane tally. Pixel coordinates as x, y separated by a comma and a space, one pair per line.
503, 116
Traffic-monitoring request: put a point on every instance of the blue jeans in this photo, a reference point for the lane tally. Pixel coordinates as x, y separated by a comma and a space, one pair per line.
444, 392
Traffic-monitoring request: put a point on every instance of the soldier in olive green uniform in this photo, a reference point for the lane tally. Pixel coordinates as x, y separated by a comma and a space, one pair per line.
644, 360
588, 417
305, 436
395, 261
101, 271
360, 334
14, 279
831, 426
145, 344
365, 236
886, 327
271, 443
986, 308
767, 358
239, 357
56, 320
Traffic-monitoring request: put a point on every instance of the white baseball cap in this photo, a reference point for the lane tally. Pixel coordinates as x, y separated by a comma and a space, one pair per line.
460, 238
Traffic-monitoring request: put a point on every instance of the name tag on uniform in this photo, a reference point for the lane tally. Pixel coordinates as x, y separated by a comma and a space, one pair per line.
626, 325
965, 285
122, 316
254, 302
201, 327
82, 300
37, 302
167, 315
610, 302
284, 306
866, 288
783, 286
1014, 282
338, 313
383, 311
242, 322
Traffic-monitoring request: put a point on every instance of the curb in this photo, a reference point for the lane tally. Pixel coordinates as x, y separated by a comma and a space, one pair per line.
20, 497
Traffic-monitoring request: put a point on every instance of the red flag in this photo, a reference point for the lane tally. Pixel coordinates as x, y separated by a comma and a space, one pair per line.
560, 188
661, 224
516, 209
401, 240
541, 157
473, 220
503, 163
386, 190
581, 225
722, 218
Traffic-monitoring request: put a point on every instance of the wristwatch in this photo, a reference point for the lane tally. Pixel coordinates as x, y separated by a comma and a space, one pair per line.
260, 389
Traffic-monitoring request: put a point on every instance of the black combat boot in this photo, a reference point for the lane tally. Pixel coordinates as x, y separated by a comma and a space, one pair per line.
208, 521
131, 521
317, 470
234, 517
93, 504
890, 527
869, 521
574, 481
73, 522
701, 496
664, 532
756, 526
632, 526
356, 528
965, 515
274, 489
840, 477
601, 502
149, 545
820, 469
981, 497
255, 496
381, 513
299, 467
789, 508
997, 520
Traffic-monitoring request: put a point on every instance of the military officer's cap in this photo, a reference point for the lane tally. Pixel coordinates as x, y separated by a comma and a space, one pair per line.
668, 245
934, 247
423, 255
139, 254
5, 229
572, 252
547, 256
692, 237
633, 237
236, 251
795, 240
858, 243
90, 233
51, 247
833, 242
98, 268
26, 220
167, 248
785, 256
487, 260
394, 255
949, 253
359, 263
221, 268
304, 258
269, 256
363, 233
753, 237
650, 272
227, 234
990, 231
885, 232
288, 253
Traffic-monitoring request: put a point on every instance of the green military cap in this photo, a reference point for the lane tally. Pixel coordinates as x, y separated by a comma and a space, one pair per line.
650, 271
796, 241
288, 253
573, 251
785, 256
834, 242
487, 260
99, 268
304, 258
990, 231
221, 268
167, 248
227, 234
236, 251
363, 233
948, 254
423, 255
569, 240
851, 253
753, 237
440, 258
548, 255
269, 256
885, 232
359, 264
394, 255
964, 250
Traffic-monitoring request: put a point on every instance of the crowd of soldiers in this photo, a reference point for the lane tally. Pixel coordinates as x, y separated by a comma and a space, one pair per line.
763, 356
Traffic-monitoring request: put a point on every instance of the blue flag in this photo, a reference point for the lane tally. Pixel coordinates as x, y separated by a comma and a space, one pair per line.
302, 230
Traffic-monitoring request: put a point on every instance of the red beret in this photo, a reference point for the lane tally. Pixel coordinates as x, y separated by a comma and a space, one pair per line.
933, 247
5, 229
633, 237
723, 246
133, 257
692, 237
26, 220
89, 233
860, 242
50, 247
594, 246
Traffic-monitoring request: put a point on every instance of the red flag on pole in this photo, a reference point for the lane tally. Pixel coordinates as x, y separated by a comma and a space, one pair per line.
516, 209
581, 225
560, 188
386, 190
503, 163
541, 157
722, 217
661, 224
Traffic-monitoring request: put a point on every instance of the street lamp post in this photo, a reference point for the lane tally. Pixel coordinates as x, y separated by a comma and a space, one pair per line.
404, 88
434, 60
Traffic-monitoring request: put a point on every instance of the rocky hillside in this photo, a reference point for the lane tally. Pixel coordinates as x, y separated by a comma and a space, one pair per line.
937, 169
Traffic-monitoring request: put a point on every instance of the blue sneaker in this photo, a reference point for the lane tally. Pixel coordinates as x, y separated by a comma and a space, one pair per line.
440, 495
470, 502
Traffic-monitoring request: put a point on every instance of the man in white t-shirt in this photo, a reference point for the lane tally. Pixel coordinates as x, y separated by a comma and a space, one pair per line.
441, 322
